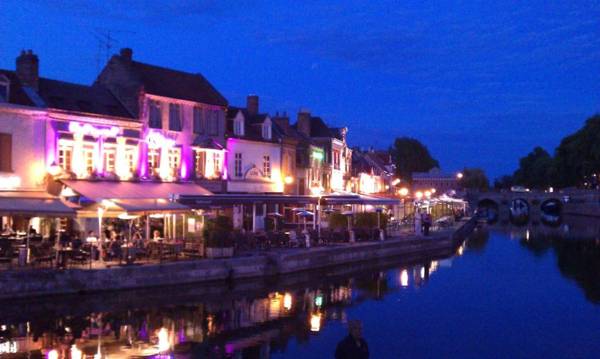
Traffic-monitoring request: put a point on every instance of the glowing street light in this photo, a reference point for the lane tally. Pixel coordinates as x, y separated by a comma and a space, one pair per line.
459, 175
54, 169
418, 195
403, 191
288, 180
427, 194
433, 190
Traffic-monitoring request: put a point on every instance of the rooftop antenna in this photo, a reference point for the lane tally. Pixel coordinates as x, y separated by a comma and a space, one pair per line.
106, 42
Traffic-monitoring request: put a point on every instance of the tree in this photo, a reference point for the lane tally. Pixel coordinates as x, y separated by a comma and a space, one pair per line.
474, 178
536, 170
577, 158
410, 156
504, 182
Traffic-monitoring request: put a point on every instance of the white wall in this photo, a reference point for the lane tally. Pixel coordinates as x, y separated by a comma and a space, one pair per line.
28, 145
252, 155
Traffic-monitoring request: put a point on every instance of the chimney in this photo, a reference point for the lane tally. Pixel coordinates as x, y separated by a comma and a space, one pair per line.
127, 54
28, 69
283, 122
252, 105
304, 122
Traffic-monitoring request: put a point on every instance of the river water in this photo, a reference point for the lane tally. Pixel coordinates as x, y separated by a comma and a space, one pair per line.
509, 292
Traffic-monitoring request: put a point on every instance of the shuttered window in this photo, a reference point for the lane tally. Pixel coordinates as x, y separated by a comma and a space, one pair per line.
154, 114
5, 152
198, 120
174, 117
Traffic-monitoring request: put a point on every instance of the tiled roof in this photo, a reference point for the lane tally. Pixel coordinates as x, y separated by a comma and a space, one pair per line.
17, 95
80, 98
177, 84
252, 125
318, 128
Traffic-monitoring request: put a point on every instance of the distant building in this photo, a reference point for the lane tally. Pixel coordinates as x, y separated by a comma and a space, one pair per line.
182, 117
253, 151
309, 158
434, 179
372, 171
337, 156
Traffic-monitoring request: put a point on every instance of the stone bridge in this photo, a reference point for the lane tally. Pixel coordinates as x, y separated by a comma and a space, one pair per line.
535, 205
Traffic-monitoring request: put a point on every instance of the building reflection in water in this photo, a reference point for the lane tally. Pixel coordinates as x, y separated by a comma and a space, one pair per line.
247, 327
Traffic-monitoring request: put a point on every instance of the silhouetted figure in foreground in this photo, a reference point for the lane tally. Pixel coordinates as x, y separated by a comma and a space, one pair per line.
353, 346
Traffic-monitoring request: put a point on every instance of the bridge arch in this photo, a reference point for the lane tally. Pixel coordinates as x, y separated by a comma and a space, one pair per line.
488, 209
551, 211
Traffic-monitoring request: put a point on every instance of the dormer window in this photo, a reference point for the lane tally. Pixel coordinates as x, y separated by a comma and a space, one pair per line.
238, 126
266, 129
4, 88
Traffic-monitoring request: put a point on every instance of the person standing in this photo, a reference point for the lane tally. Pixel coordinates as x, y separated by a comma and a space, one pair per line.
353, 346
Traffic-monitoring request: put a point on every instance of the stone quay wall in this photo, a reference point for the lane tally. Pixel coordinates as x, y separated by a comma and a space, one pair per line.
22, 283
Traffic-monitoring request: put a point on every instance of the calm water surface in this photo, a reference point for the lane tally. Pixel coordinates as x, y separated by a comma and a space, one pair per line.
509, 292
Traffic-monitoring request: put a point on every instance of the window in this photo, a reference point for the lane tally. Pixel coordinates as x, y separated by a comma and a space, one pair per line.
198, 120
200, 164
130, 159
266, 130
65, 155
5, 152
237, 170
267, 166
153, 161
238, 127
174, 117
154, 114
4, 88
217, 164
110, 156
88, 157
213, 122
174, 160
336, 159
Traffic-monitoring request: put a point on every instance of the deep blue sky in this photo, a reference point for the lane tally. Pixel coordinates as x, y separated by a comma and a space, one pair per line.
479, 83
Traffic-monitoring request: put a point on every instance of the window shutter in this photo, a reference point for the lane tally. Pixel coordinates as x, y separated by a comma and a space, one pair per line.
5, 152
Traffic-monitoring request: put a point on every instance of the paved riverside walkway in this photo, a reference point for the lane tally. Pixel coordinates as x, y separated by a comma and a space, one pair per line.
41, 282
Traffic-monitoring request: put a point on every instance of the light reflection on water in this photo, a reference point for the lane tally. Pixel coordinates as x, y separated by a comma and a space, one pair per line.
281, 320
253, 326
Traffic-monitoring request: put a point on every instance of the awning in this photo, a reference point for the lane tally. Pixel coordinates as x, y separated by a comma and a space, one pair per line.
35, 204
150, 205
235, 199
99, 190
263, 198
360, 199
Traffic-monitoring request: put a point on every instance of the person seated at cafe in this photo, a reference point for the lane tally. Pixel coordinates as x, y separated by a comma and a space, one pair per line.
137, 239
115, 249
65, 239
76, 243
7, 230
91, 237
32, 231
156, 235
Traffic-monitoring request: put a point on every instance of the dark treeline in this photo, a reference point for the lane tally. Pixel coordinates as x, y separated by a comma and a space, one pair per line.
576, 162
410, 155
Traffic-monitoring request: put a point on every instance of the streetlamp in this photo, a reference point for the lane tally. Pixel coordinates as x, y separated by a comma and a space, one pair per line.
54, 169
459, 175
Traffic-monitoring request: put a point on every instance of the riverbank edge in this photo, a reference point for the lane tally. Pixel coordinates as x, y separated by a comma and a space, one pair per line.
48, 282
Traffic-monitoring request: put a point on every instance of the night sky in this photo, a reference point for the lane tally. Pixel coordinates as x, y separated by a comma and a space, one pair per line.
479, 83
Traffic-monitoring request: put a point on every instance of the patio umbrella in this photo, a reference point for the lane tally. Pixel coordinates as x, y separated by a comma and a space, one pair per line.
348, 214
275, 216
304, 214
129, 218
